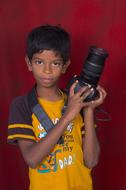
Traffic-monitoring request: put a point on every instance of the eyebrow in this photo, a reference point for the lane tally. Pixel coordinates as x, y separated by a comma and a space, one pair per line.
57, 59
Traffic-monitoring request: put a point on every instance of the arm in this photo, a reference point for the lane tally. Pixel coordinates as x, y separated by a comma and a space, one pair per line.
33, 152
91, 146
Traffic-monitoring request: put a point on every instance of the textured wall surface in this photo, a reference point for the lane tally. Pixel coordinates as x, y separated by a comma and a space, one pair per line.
98, 22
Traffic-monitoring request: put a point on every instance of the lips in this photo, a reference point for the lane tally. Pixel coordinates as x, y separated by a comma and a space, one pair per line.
46, 79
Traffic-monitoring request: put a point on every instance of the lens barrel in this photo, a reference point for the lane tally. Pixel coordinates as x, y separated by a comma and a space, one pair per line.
93, 66
91, 72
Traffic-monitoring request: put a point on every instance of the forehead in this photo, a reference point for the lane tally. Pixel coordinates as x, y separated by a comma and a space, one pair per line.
47, 54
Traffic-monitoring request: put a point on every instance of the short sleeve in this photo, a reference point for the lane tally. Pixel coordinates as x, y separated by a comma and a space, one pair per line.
20, 121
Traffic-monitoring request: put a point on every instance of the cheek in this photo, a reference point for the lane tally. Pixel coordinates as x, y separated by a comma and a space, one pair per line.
35, 73
36, 70
58, 72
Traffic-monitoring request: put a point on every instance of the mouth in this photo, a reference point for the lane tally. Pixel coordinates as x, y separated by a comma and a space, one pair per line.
45, 79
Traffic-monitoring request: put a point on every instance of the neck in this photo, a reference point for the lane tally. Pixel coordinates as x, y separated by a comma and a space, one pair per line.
51, 94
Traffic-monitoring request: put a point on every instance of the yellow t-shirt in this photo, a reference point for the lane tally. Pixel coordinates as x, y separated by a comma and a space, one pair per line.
63, 169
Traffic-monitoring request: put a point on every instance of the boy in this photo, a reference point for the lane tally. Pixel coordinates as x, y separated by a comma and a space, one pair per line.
59, 158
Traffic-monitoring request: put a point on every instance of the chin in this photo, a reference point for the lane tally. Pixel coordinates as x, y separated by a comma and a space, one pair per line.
48, 85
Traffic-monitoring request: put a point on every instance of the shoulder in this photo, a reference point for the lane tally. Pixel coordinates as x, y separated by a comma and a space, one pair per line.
20, 101
20, 108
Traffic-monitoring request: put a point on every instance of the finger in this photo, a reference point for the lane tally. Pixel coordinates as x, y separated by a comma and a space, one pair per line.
100, 99
82, 91
99, 88
86, 93
86, 104
104, 93
72, 88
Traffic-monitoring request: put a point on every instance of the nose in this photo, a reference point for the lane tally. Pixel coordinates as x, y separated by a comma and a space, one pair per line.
47, 68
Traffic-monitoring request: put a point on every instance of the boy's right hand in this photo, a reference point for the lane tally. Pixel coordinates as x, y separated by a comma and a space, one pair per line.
76, 101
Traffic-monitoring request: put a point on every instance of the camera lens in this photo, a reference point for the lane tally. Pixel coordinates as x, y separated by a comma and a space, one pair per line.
92, 69
93, 66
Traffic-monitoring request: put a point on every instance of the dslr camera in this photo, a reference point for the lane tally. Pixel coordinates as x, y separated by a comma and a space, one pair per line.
91, 72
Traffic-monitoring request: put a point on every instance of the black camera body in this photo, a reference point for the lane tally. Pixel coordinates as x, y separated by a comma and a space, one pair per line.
90, 75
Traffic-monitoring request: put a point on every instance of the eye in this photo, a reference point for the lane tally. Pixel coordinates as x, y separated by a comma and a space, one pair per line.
38, 62
56, 64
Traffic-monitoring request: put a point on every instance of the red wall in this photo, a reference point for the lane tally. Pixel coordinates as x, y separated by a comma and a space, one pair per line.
99, 22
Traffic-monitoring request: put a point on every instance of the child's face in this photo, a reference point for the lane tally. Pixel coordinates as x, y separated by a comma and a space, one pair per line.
47, 68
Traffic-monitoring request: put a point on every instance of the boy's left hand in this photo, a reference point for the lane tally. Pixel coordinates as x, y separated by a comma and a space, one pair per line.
102, 95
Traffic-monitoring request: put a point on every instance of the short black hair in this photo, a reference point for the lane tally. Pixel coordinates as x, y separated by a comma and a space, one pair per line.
49, 37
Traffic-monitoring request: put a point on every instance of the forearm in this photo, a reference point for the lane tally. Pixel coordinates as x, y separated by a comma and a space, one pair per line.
34, 153
90, 142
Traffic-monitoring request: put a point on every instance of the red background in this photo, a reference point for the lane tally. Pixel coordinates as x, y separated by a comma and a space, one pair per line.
90, 22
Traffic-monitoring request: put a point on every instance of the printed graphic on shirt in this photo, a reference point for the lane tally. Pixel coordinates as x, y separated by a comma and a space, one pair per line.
42, 133
66, 161
68, 139
51, 163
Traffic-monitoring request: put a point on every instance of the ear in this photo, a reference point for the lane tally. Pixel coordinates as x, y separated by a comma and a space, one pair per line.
28, 63
65, 66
